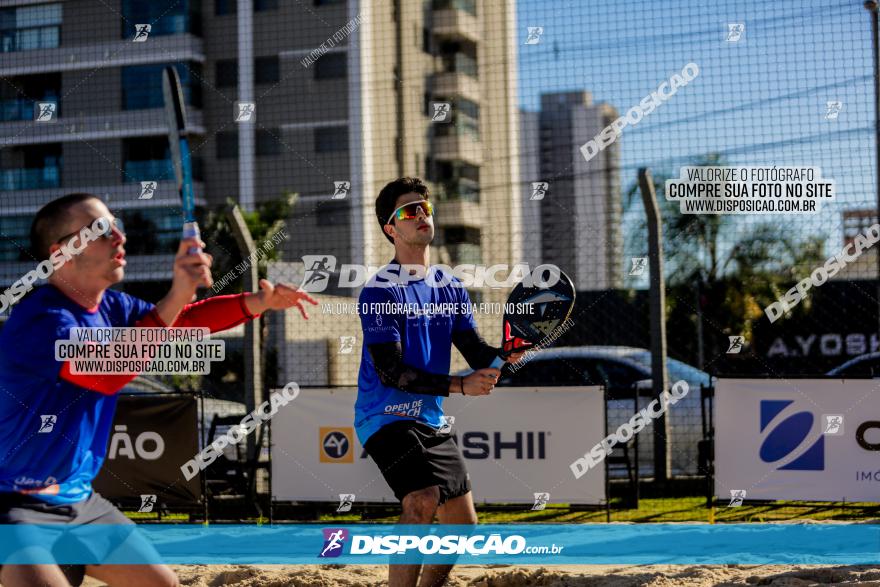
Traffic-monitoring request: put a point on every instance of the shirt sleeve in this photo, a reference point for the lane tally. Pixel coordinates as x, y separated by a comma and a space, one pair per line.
379, 320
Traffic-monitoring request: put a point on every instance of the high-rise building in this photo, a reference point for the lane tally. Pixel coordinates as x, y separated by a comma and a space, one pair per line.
579, 216
343, 92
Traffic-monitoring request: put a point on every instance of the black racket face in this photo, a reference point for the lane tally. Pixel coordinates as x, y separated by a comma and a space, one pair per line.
534, 312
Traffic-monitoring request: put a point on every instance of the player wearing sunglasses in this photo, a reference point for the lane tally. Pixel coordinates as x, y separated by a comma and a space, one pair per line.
46, 478
404, 375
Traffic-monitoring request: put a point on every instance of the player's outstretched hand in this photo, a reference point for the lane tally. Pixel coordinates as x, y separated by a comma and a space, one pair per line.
481, 381
281, 297
191, 271
515, 357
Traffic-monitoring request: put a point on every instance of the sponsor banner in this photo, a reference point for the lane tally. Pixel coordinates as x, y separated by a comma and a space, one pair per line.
800, 439
517, 544
151, 436
515, 442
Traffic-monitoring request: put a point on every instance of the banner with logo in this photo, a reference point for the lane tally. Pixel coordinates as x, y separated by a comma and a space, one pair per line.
152, 437
517, 445
802, 439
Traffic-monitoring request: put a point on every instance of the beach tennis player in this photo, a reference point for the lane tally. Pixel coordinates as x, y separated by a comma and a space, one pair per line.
46, 475
404, 374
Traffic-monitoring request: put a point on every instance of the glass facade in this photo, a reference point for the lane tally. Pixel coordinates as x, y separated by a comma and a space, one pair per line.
30, 27
142, 85
167, 17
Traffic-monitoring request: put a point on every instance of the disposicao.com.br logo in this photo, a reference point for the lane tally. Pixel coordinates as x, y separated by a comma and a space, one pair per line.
449, 544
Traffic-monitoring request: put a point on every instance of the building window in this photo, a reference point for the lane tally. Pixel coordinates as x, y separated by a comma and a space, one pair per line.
267, 143
426, 40
262, 5
14, 234
267, 70
332, 214
226, 73
331, 140
469, 6
30, 27
167, 17
227, 145
222, 7
142, 85
327, 2
147, 158
151, 232
332, 66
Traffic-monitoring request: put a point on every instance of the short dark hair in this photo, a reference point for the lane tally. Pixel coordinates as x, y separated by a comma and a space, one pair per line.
49, 220
387, 200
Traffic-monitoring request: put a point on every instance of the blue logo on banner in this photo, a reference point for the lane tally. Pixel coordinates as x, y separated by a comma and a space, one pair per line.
333, 542
787, 436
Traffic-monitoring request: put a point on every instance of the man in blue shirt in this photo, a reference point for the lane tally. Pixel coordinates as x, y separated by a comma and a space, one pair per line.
412, 314
55, 424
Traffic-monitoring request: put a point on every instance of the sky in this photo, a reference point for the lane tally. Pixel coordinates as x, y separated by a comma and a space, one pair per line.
759, 101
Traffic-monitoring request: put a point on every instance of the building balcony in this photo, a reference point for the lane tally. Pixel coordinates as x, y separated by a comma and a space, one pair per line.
159, 49
456, 84
458, 213
451, 21
120, 124
457, 147
121, 196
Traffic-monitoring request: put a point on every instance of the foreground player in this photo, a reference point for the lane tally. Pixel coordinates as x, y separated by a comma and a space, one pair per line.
46, 478
404, 376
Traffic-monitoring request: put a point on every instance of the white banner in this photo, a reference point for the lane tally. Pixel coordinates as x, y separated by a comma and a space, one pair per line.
516, 442
797, 439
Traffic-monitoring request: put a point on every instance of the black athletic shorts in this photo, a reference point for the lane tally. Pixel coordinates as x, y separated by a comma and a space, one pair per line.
413, 456
24, 509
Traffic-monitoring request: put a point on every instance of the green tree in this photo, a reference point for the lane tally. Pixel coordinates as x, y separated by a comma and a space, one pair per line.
720, 265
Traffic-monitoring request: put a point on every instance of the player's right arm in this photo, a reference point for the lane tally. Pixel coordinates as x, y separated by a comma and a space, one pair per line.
189, 273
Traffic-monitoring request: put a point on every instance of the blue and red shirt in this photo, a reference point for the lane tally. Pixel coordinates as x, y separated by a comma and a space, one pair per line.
53, 433
55, 426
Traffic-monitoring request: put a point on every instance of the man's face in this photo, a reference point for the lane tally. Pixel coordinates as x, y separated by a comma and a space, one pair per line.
418, 231
103, 260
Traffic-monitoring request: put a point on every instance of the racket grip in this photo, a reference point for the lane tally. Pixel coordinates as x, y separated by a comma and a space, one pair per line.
191, 230
497, 363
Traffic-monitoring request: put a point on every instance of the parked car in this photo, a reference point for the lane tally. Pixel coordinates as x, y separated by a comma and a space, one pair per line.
863, 366
213, 407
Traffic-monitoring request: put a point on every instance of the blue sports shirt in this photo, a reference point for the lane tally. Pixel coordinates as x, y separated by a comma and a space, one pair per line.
53, 434
421, 315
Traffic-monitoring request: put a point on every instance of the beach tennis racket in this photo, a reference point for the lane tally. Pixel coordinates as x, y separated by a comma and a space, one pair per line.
178, 142
532, 315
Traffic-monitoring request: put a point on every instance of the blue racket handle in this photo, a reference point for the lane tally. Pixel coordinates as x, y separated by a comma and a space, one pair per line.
191, 230
497, 363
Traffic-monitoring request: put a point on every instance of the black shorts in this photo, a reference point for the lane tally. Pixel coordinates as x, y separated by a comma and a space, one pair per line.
413, 456
25, 509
